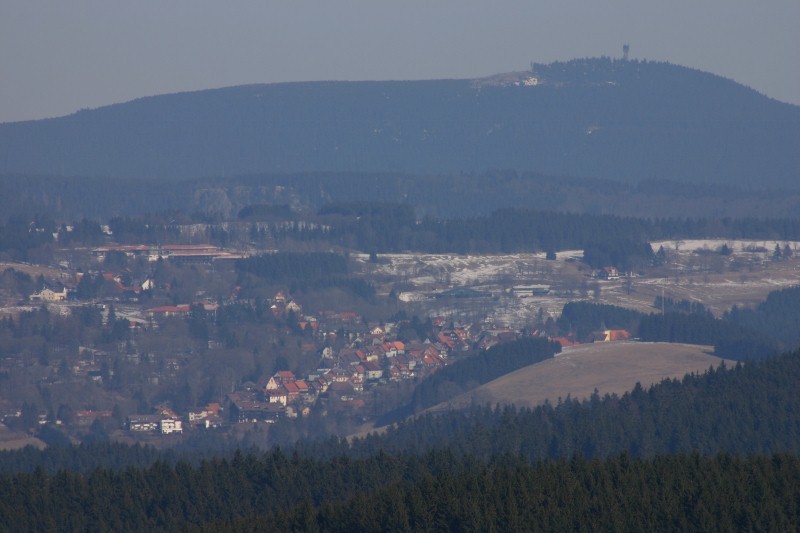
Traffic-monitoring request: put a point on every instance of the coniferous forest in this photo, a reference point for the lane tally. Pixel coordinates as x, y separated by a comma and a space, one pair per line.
715, 451
435, 491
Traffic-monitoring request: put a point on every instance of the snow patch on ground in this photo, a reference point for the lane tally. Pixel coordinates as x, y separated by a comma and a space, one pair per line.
744, 278
691, 245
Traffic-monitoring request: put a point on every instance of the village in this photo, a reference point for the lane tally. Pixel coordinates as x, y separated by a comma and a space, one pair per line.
342, 359
371, 356
354, 356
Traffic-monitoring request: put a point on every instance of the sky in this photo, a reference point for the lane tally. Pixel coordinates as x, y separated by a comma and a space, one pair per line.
58, 56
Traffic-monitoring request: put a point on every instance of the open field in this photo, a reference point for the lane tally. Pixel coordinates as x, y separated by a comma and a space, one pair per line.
578, 371
14, 440
33, 271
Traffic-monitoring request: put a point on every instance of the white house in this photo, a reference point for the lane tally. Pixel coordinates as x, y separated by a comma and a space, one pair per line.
48, 295
170, 425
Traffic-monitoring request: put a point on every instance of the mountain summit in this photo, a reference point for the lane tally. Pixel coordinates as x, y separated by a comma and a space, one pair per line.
602, 118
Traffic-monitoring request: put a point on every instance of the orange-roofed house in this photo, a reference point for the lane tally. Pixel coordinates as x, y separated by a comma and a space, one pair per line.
447, 341
612, 335
285, 376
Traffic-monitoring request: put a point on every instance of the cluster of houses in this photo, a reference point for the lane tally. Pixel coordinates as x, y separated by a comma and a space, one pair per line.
370, 356
369, 359
67, 290
176, 253
165, 421
339, 381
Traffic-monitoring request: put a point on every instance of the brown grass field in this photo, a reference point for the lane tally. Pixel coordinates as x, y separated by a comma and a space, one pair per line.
608, 367
14, 440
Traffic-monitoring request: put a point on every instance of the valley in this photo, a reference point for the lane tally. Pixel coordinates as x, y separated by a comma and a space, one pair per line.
324, 266
217, 338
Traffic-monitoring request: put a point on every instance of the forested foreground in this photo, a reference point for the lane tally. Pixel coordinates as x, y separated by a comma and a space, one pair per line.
599, 464
748, 409
751, 408
436, 491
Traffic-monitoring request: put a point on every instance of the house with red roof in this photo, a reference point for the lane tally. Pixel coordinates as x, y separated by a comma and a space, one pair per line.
285, 376
169, 310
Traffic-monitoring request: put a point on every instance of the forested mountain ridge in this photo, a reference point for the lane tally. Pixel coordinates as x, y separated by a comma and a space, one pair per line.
603, 118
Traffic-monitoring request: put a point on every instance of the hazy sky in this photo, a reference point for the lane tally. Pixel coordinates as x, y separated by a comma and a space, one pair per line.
58, 56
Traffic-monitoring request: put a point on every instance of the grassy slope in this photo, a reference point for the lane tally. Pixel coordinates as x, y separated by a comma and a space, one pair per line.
608, 367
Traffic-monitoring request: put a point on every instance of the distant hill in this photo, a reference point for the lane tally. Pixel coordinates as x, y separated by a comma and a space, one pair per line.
611, 368
623, 120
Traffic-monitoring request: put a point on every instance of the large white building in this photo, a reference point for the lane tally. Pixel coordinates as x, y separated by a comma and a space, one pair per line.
170, 425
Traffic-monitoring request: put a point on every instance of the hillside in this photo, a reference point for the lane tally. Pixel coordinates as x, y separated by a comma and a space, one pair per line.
578, 371
600, 118
73, 198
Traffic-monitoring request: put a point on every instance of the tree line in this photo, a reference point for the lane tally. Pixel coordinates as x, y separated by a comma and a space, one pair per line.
583, 318
305, 271
740, 334
559, 466
266, 197
730, 340
383, 227
481, 368
437, 490
746, 409
287, 266
750, 408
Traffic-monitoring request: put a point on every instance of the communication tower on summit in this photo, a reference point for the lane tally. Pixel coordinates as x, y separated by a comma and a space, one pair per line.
625, 49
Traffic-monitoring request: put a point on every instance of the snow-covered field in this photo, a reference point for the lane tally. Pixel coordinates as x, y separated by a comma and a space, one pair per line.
737, 246
695, 271
423, 276
467, 270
